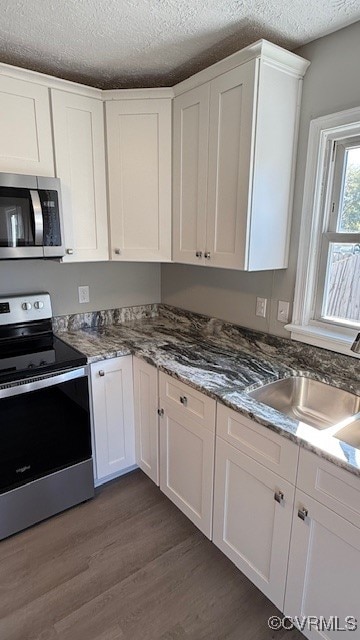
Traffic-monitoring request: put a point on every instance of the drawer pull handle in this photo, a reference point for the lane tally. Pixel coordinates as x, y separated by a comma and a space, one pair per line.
117, 252
207, 255
279, 496
198, 254
101, 373
303, 513
183, 400
160, 412
69, 252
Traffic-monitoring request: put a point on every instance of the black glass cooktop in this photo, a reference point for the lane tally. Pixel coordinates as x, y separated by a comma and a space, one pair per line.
28, 356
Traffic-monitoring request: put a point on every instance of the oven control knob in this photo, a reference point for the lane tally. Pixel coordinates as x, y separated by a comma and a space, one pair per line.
38, 304
26, 306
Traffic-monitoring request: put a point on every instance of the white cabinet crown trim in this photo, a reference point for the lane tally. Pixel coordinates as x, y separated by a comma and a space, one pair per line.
262, 48
274, 53
52, 82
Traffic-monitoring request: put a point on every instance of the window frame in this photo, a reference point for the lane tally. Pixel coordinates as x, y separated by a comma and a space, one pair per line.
318, 191
331, 204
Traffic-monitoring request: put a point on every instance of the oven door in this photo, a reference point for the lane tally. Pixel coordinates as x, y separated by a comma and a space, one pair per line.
44, 427
21, 220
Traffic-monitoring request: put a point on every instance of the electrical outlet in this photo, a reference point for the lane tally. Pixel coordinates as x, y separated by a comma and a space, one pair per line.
261, 307
84, 294
283, 311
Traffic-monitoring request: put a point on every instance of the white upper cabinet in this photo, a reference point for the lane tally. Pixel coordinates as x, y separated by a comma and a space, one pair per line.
191, 139
79, 138
235, 141
230, 133
25, 128
139, 165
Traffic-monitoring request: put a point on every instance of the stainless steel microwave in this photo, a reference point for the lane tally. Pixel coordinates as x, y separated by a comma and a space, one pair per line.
30, 217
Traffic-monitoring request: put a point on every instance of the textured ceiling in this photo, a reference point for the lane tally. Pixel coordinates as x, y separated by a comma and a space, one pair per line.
131, 43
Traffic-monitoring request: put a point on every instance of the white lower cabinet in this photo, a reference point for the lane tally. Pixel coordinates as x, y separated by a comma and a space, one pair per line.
146, 403
300, 546
187, 451
252, 519
324, 563
324, 568
113, 416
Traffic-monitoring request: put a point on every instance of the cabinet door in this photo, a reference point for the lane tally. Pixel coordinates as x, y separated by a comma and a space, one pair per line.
113, 415
324, 567
139, 161
232, 121
250, 526
146, 403
191, 131
274, 161
25, 128
80, 164
187, 466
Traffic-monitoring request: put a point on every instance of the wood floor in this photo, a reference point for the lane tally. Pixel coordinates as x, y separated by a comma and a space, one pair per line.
126, 566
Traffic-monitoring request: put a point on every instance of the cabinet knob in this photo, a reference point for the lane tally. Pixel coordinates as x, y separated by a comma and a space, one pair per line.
117, 251
198, 254
279, 496
160, 412
101, 373
303, 513
69, 252
183, 400
207, 255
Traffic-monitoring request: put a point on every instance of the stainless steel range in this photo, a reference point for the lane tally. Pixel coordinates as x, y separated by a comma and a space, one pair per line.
45, 438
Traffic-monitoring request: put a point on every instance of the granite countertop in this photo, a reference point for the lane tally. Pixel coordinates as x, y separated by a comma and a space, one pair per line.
221, 360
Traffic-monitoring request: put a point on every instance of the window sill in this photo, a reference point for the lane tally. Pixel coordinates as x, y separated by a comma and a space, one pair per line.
333, 338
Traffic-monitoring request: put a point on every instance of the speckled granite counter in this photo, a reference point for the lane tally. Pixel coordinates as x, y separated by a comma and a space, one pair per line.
221, 360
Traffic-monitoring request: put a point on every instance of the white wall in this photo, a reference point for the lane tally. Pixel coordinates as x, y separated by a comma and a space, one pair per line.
332, 83
111, 284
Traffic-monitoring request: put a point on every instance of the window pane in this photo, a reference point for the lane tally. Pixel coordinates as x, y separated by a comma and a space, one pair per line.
349, 213
342, 289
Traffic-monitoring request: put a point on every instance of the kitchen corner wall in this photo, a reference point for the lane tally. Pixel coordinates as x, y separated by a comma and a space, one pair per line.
332, 83
112, 284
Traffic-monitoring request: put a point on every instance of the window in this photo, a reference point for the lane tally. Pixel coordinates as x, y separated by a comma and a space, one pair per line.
327, 295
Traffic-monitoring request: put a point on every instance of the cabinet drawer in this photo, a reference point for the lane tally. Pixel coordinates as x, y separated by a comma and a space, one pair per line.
334, 487
191, 402
263, 445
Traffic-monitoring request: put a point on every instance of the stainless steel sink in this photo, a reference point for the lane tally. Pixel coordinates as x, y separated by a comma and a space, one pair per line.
315, 403
350, 434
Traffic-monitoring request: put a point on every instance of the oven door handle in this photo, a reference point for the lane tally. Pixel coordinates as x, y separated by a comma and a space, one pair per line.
41, 382
38, 217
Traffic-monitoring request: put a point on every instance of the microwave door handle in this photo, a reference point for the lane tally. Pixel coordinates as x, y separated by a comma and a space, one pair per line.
38, 217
